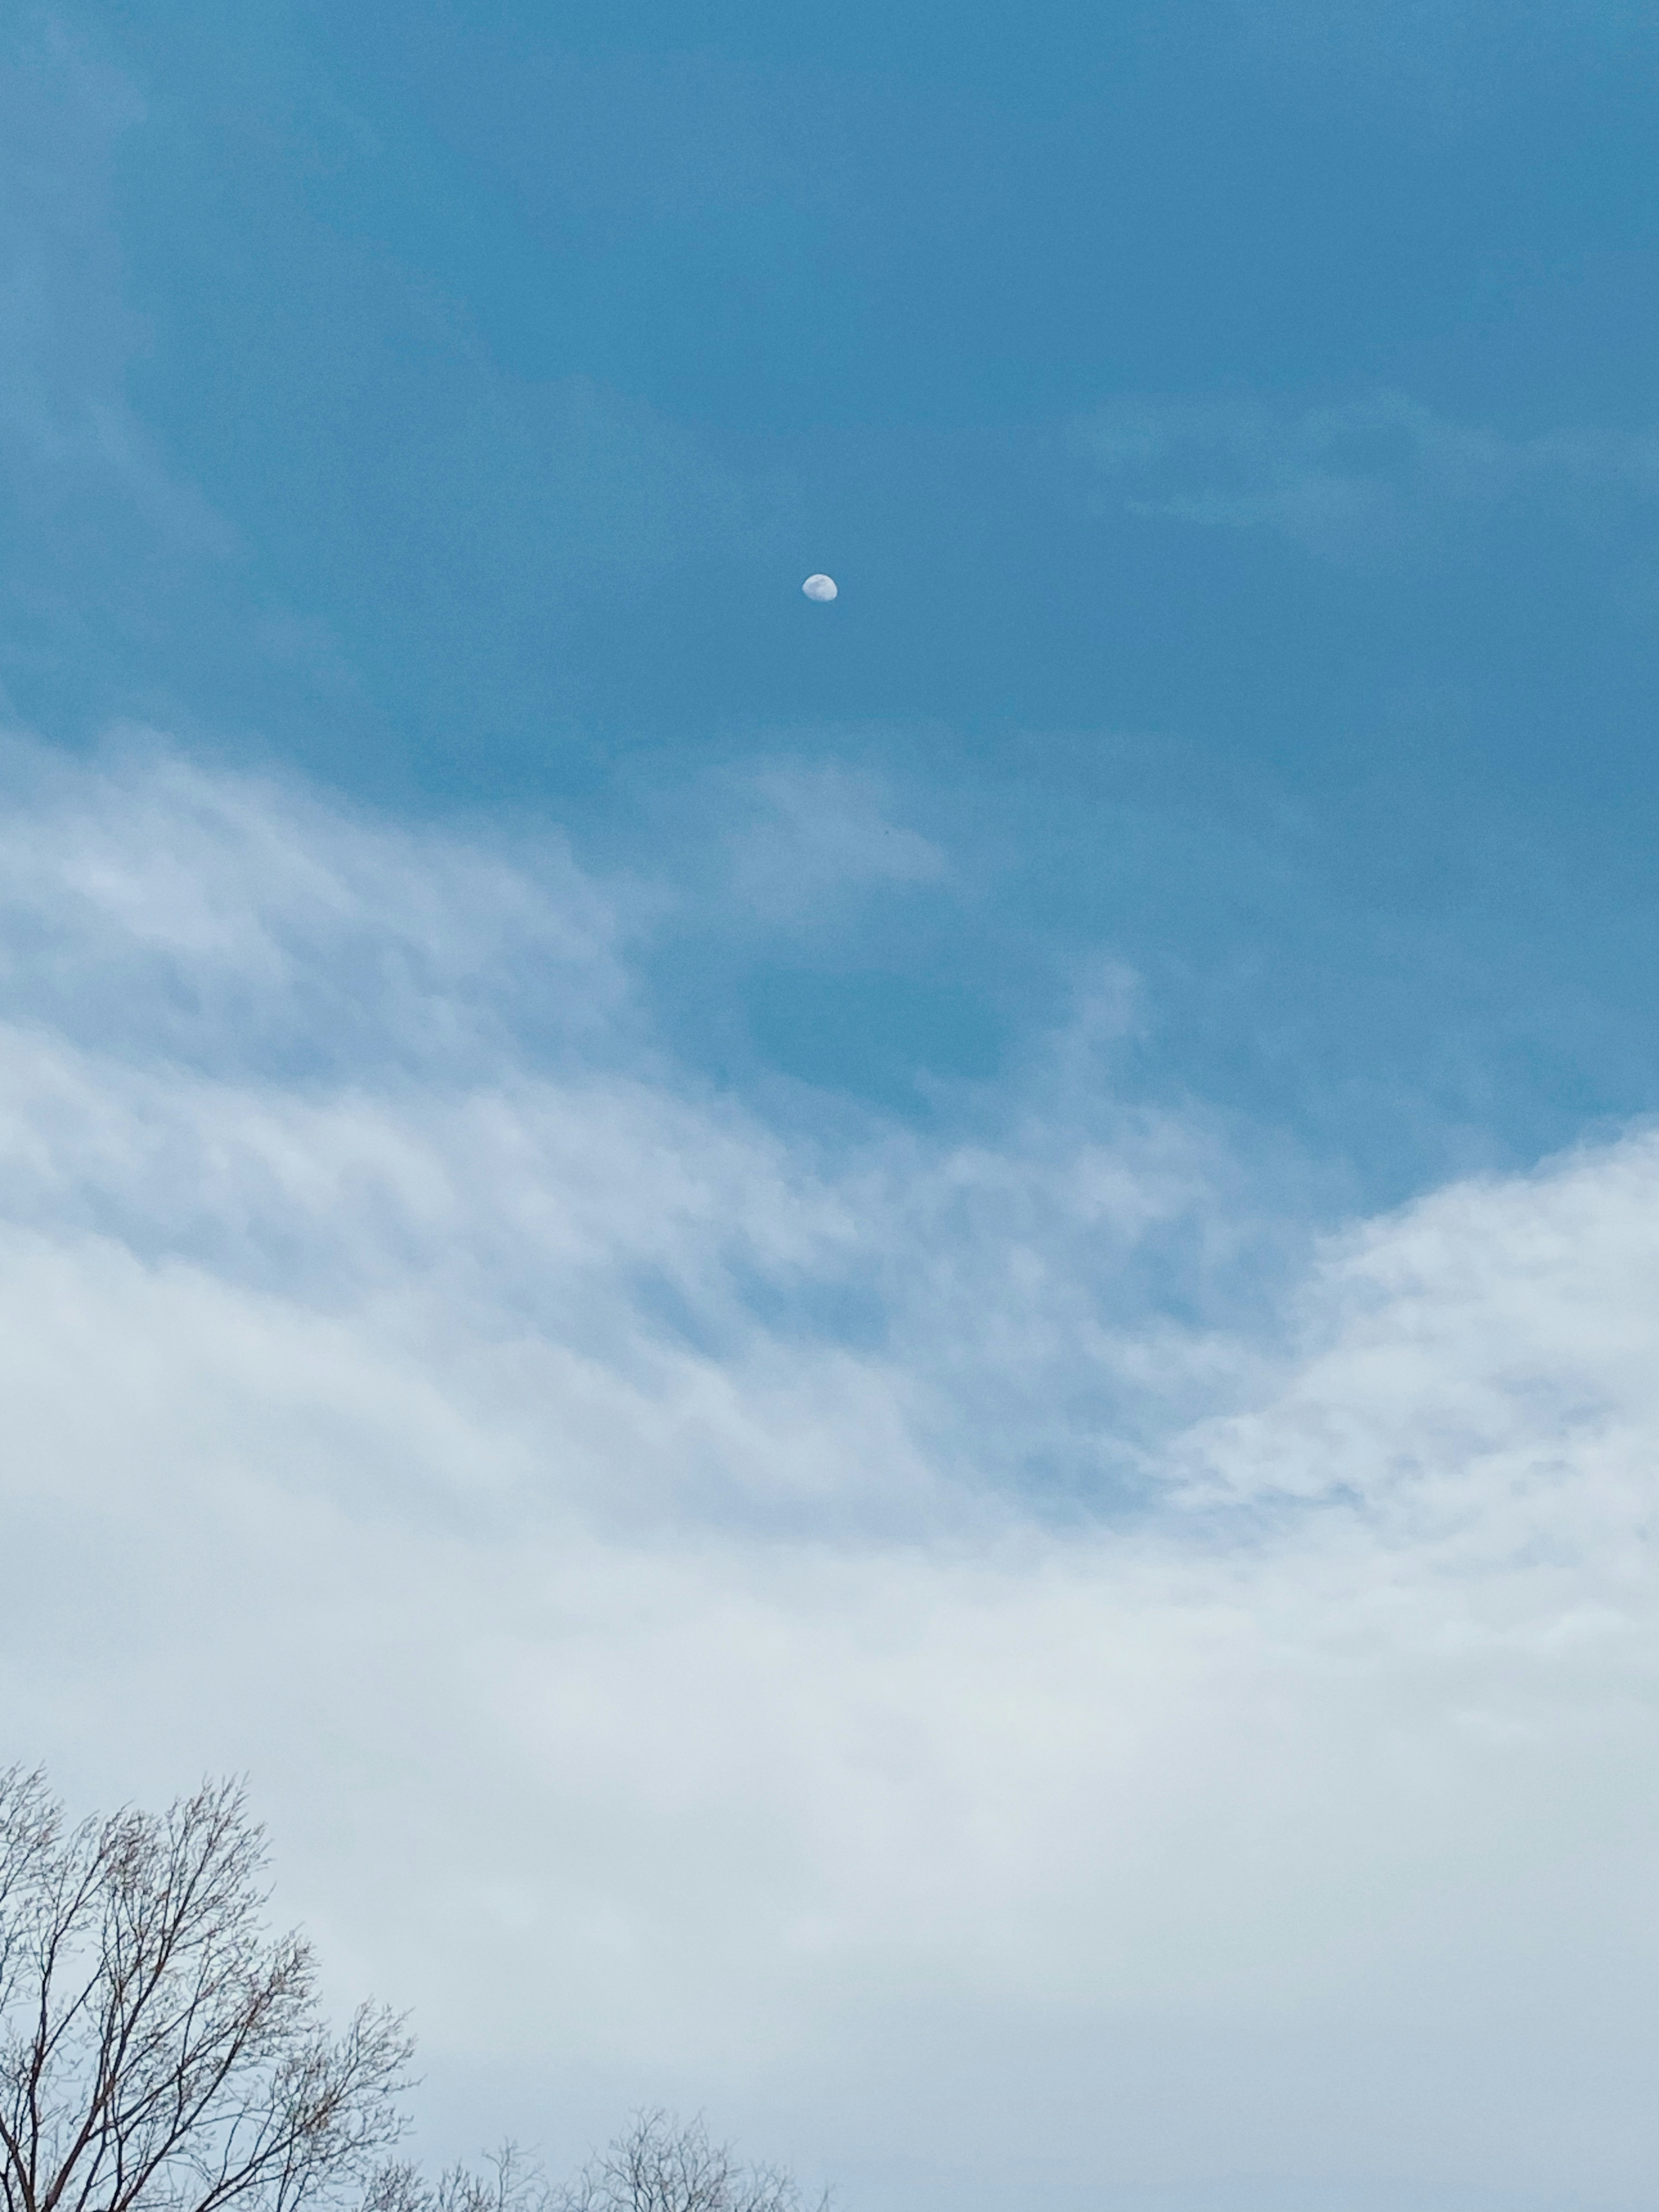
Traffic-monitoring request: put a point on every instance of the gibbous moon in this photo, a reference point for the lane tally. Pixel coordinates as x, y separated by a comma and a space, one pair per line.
819, 587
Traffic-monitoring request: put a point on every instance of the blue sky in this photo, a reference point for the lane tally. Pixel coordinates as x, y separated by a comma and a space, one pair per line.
1094, 1092
1229, 425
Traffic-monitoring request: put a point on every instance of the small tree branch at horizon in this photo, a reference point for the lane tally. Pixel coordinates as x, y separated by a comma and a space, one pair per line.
659, 2164
159, 2051
663, 2164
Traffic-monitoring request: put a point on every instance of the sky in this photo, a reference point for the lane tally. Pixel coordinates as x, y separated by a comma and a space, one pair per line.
888, 1365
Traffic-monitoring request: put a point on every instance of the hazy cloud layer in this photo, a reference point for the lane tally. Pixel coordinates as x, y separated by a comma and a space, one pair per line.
861, 1633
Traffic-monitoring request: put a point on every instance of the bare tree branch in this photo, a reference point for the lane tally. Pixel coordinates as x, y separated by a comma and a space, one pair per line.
663, 2164
159, 2051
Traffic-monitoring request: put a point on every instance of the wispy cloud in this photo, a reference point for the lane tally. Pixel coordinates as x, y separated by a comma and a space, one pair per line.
615, 1532
813, 833
1375, 478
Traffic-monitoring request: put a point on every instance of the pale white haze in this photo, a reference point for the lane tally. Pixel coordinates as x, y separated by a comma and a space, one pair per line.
419, 1397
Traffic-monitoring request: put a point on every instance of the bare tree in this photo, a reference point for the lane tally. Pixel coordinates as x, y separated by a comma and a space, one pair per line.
512, 2183
666, 2165
159, 2051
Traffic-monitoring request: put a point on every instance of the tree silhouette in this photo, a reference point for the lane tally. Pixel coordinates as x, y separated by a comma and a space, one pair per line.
159, 2051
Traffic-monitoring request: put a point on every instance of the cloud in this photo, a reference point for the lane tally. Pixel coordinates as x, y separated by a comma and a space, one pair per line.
815, 833
1377, 478
872, 1635
216, 919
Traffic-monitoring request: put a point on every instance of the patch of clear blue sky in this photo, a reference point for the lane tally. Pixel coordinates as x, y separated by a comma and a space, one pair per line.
1230, 425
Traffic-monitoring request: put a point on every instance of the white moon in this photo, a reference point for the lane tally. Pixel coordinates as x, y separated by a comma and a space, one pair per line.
819, 587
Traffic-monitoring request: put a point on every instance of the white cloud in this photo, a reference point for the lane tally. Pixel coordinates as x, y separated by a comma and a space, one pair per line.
420, 1394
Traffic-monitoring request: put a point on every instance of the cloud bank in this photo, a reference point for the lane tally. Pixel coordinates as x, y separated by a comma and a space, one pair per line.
879, 1634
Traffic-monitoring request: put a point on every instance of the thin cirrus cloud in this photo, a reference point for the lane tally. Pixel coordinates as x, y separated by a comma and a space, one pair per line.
811, 834
1375, 478
720, 1705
